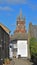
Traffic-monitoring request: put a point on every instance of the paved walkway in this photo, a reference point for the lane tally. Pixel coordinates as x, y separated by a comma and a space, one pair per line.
19, 62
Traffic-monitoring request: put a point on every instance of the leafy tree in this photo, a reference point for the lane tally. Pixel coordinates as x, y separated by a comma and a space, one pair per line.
33, 47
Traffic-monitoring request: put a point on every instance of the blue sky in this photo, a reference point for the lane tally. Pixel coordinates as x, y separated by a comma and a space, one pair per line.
10, 10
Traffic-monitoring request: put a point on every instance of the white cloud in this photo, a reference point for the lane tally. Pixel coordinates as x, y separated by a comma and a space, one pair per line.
16, 1
29, 3
6, 8
13, 1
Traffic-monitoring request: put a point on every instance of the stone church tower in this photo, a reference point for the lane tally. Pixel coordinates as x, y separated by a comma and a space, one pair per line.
20, 25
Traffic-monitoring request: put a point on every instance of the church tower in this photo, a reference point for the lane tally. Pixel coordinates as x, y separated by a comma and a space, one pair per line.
20, 24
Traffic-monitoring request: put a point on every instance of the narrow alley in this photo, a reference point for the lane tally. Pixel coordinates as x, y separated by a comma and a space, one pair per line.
20, 61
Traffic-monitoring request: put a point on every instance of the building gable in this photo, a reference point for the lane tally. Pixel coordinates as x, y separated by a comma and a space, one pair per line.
5, 28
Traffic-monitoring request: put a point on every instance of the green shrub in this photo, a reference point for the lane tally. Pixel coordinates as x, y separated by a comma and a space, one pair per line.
33, 47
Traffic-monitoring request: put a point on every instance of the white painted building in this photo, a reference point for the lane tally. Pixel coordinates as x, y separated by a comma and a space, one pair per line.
10, 50
22, 48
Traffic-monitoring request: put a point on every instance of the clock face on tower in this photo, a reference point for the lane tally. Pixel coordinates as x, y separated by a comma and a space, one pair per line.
18, 24
20, 27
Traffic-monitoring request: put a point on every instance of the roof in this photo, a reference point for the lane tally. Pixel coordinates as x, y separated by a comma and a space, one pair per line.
19, 36
5, 28
34, 26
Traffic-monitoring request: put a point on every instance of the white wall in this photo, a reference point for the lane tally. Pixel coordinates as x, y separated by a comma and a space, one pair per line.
10, 51
22, 48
